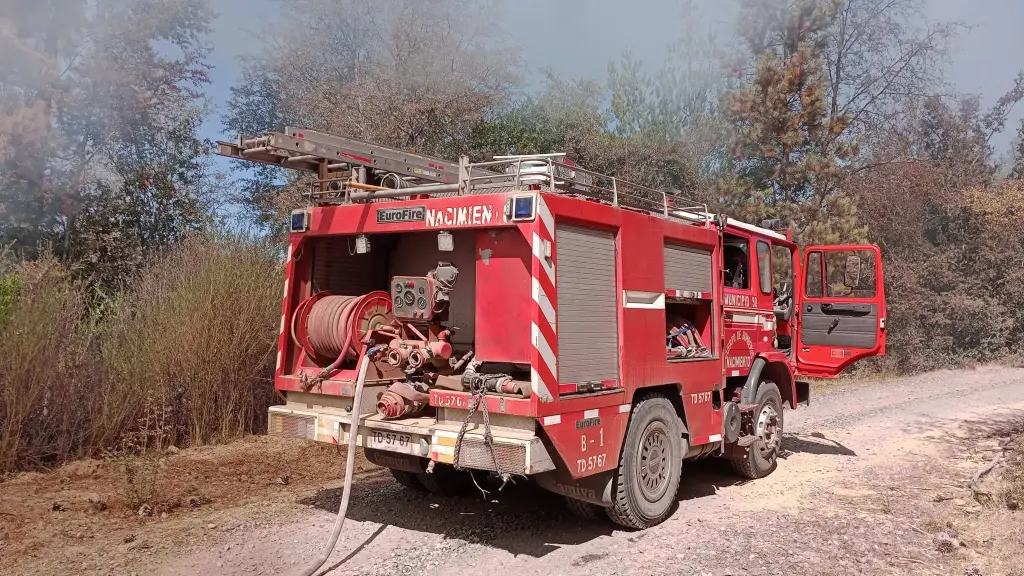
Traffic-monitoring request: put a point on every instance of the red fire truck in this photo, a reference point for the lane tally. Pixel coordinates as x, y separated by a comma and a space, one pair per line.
526, 317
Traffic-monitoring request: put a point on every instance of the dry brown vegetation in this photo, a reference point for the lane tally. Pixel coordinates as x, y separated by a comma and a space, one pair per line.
184, 355
84, 510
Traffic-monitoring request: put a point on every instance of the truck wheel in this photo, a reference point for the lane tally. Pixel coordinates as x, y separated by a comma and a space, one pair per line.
585, 510
647, 479
445, 481
408, 479
763, 455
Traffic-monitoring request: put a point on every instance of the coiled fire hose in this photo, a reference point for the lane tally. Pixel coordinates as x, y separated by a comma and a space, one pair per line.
350, 467
333, 326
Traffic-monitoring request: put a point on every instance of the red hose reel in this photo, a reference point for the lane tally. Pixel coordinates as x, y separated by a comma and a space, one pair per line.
327, 325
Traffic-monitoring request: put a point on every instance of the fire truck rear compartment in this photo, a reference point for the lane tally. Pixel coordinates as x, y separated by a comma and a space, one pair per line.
339, 269
488, 261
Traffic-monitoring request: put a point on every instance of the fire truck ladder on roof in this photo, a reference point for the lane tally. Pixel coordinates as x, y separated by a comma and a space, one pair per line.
324, 154
341, 163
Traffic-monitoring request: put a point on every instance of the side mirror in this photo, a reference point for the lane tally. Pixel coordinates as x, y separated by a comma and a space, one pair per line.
852, 276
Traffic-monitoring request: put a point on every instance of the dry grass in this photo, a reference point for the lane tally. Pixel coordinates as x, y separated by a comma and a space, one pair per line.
45, 363
1012, 491
191, 340
197, 336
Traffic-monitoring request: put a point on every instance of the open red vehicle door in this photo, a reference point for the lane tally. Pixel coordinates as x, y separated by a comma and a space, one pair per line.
841, 309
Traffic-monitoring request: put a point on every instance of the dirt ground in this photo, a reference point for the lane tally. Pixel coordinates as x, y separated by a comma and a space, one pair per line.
874, 481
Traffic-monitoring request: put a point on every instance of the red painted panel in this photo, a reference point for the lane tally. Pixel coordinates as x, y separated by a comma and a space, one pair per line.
588, 443
503, 300
698, 378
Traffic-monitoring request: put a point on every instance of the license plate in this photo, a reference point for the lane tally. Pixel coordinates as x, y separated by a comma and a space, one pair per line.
389, 440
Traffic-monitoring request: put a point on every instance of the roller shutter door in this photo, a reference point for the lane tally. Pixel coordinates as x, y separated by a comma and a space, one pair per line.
588, 343
337, 269
687, 269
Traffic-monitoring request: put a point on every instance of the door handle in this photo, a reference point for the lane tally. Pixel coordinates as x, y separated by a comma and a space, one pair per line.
833, 326
829, 308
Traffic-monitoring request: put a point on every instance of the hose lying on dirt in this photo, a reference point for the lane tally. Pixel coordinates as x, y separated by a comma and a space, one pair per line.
350, 468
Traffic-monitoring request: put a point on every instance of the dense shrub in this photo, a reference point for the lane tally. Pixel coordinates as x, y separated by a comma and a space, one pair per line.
45, 366
953, 289
192, 339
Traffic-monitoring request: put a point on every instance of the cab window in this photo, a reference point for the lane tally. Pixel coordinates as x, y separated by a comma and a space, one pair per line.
737, 262
764, 266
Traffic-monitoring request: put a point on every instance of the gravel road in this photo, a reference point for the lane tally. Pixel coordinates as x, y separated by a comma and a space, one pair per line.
826, 510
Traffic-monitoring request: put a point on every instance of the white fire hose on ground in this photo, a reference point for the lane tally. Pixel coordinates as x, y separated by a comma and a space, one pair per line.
350, 467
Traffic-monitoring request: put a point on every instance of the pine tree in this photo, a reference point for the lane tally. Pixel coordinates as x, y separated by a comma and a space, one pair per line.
1017, 172
788, 148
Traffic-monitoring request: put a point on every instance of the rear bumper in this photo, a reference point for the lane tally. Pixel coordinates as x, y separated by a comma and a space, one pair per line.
517, 451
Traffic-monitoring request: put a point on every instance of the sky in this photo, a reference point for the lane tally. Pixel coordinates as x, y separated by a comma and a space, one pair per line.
580, 37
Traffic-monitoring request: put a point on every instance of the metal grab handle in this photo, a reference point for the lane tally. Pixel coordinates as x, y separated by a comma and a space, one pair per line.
829, 308
833, 326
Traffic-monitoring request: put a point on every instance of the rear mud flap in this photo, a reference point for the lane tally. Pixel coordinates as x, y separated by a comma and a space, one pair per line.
596, 489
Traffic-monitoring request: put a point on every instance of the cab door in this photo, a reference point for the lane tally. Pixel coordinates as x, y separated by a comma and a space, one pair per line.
841, 308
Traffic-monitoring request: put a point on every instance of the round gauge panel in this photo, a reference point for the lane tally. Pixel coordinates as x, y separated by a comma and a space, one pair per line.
421, 303
409, 298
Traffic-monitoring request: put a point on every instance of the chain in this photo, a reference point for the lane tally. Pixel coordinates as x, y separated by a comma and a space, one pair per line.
478, 400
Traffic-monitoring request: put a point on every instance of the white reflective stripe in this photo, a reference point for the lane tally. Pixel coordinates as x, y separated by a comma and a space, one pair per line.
538, 252
544, 302
279, 359
714, 438
746, 318
545, 215
540, 390
285, 293
648, 300
544, 348
590, 413
552, 420
735, 373
624, 408
281, 331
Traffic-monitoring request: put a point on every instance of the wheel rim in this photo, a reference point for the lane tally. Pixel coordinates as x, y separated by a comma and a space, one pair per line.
653, 462
768, 430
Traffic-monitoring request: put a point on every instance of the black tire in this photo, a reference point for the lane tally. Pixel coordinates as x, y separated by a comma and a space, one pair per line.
763, 456
647, 480
446, 481
408, 479
585, 510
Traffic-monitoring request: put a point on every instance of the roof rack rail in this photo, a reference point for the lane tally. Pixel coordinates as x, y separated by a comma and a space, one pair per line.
342, 165
543, 171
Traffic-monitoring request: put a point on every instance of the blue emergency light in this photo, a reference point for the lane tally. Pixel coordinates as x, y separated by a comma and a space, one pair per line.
300, 221
524, 207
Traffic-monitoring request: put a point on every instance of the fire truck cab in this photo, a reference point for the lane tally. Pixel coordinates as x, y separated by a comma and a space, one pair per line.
527, 317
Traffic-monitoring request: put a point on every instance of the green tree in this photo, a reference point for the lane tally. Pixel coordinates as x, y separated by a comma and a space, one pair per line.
787, 150
413, 75
101, 156
1017, 158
